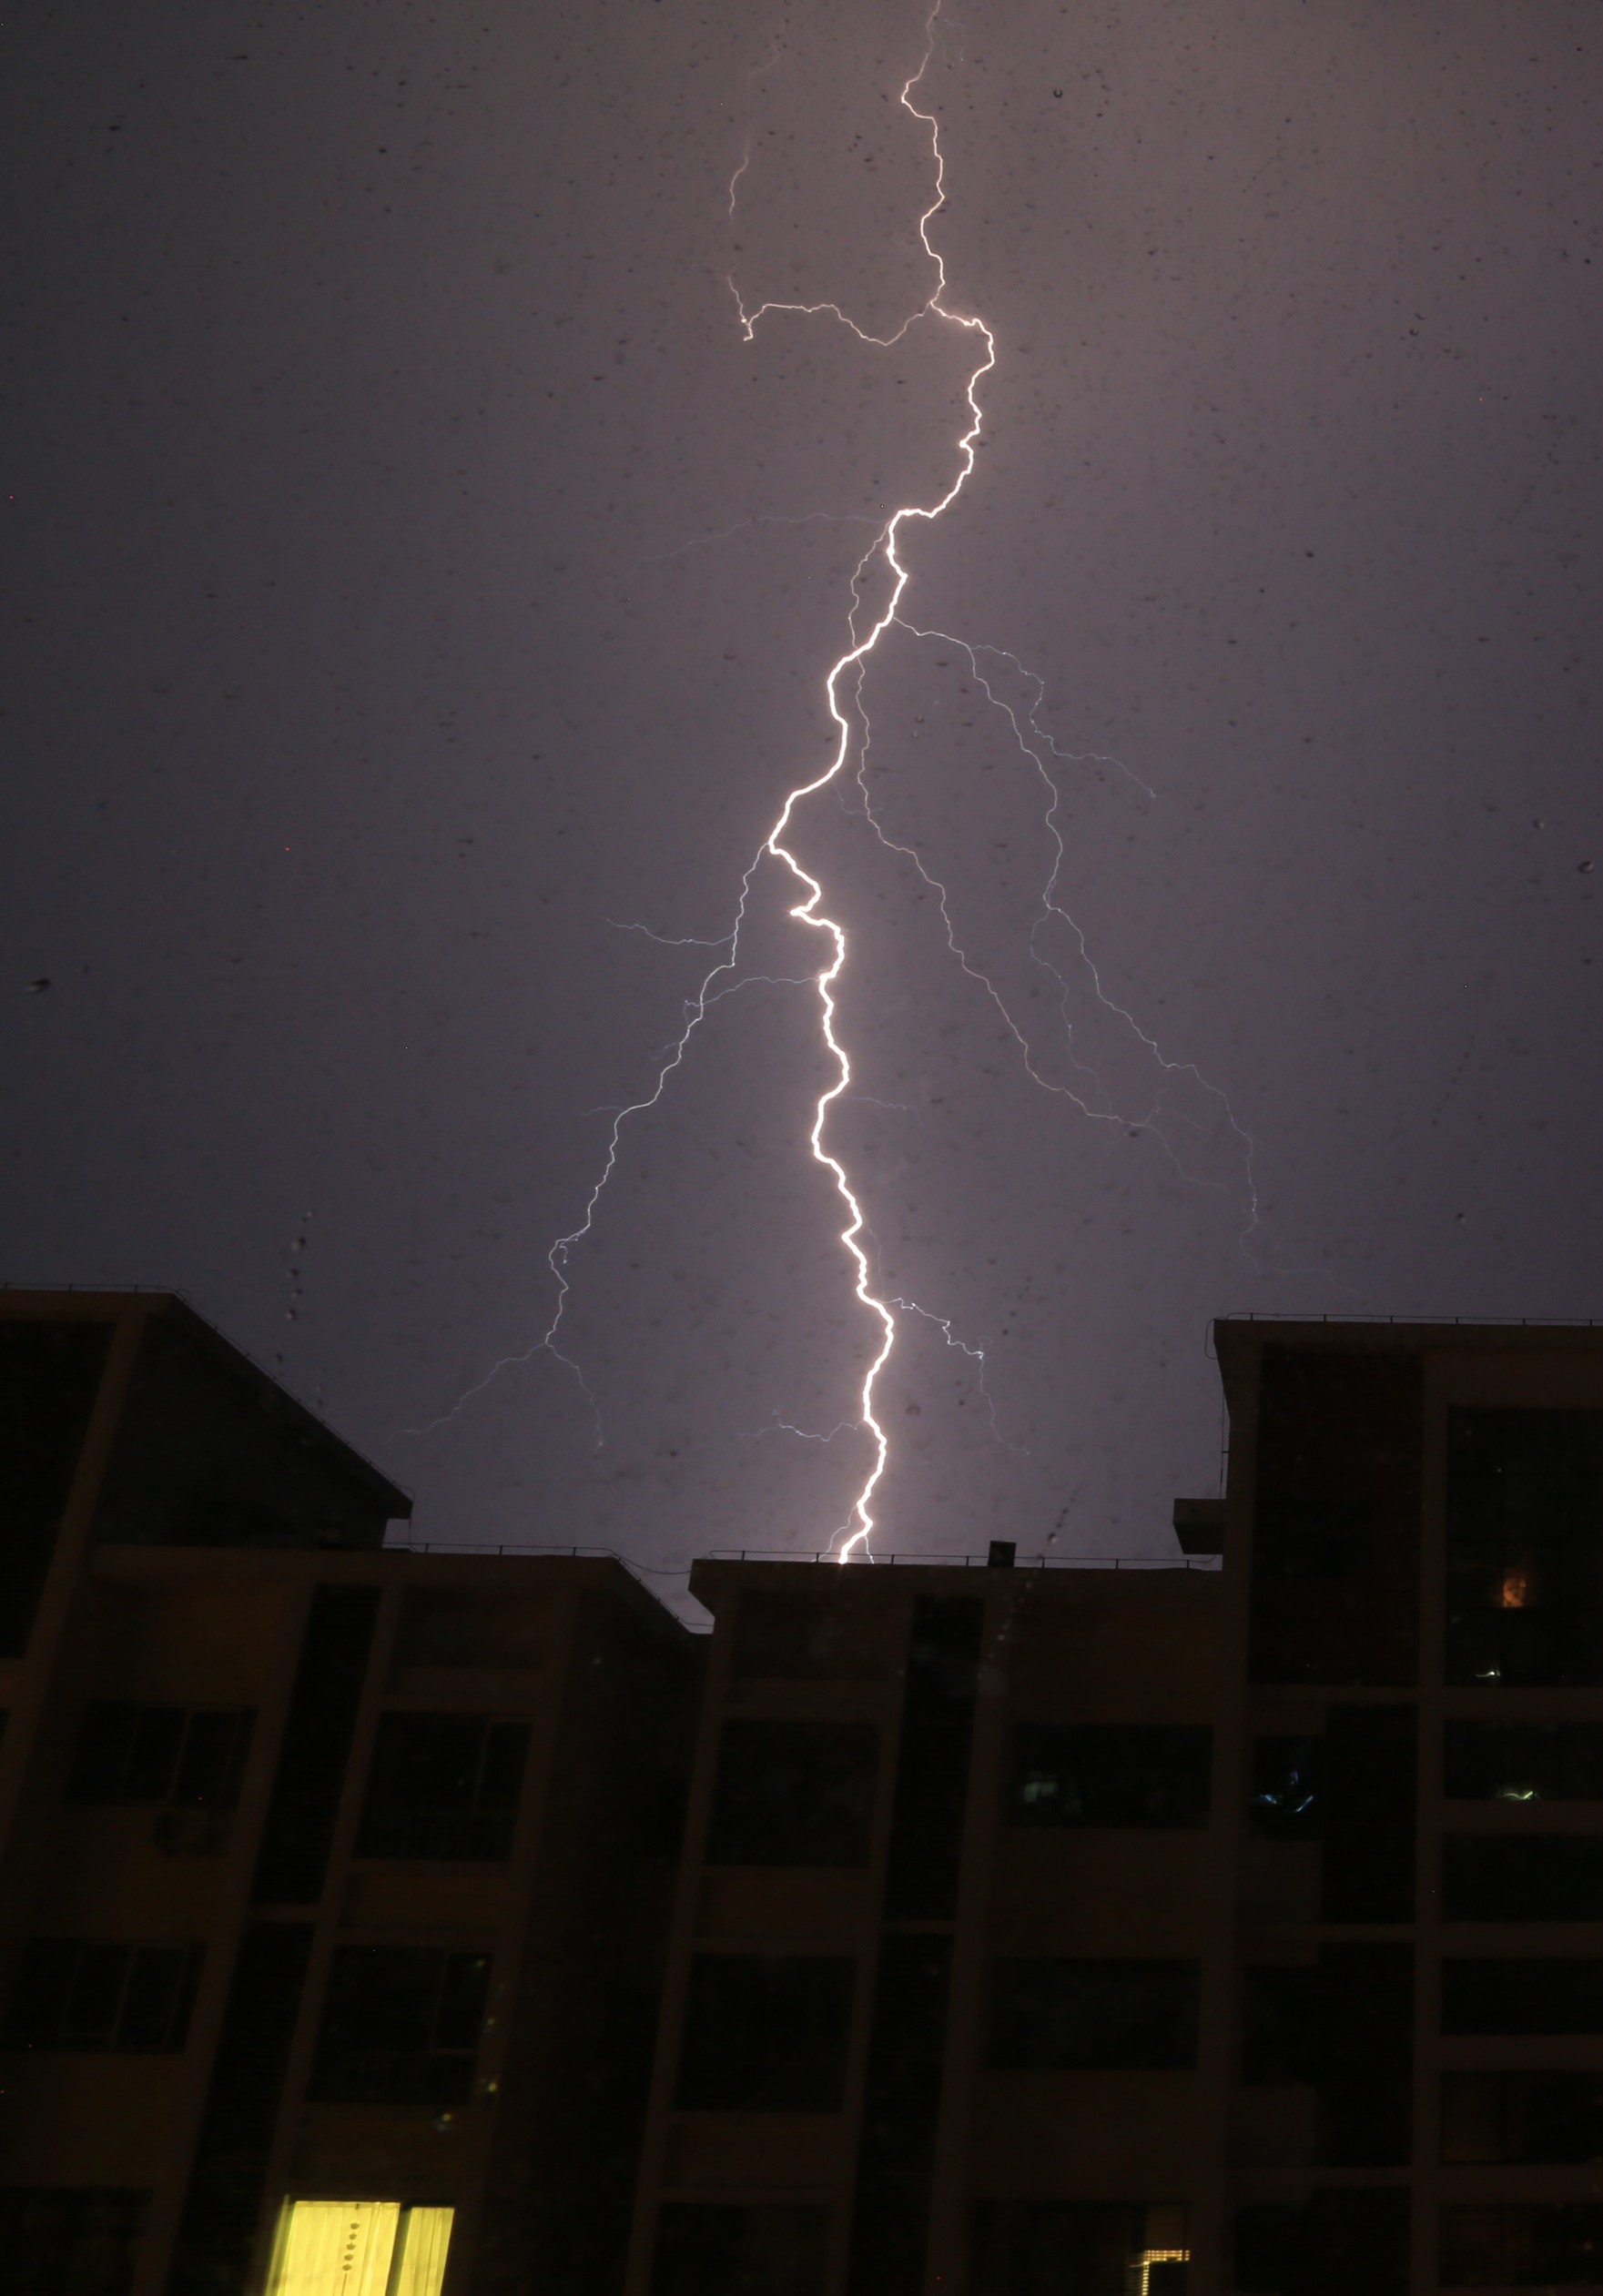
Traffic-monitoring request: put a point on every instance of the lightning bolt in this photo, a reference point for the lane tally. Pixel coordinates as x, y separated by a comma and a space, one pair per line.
843, 690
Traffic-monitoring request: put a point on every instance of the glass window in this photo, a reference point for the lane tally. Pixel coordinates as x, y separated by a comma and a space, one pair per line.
1525, 1554
1529, 1877
793, 1794
359, 2248
70, 2240
712, 2251
766, 2033
1522, 2116
444, 1785
1102, 1774
1530, 2244
78, 1993
400, 2025
1524, 1761
1549, 1995
188, 1757
1061, 2015
1287, 1792
1092, 2248
1336, 2243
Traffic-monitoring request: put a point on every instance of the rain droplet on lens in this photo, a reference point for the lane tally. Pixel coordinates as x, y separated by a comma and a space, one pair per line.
1586, 867
37, 988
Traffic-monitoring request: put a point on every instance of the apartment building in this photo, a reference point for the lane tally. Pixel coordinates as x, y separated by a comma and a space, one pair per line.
1102, 1933
334, 1877
932, 2007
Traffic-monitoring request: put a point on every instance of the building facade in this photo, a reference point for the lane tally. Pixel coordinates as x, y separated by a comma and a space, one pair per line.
333, 1877
1232, 1927
1093, 1932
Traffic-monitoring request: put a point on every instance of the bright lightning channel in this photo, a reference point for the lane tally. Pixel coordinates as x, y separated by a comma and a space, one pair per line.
723, 977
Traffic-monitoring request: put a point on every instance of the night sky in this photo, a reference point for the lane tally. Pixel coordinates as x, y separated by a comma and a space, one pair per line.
418, 585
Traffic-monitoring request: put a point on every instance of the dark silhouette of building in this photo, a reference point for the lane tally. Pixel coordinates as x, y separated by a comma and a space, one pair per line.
1093, 1932
333, 1877
1234, 1927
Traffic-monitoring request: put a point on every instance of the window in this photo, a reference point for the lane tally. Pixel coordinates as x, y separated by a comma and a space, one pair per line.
190, 1758
766, 2033
77, 1993
70, 2240
1533, 1877
1312, 1538
1280, 2026
800, 1636
400, 2025
1525, 1510
1344, 2026
1104, 1775
359, 2248
793, 1794
1334, 2244
1524, 1761
444, 1785
739, 2251
1522, 1996
1093, 2016
1518, 2116
1528, 2245
1287, 1798
1091, 2248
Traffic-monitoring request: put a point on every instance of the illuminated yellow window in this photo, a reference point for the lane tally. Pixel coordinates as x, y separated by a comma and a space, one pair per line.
359, 2248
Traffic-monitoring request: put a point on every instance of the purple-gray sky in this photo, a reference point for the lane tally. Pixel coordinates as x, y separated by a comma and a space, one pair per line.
374, 389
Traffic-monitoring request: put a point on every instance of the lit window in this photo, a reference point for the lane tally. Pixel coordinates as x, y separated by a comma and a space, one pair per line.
359, 2248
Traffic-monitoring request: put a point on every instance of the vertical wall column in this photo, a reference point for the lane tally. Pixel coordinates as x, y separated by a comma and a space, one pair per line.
907, 2043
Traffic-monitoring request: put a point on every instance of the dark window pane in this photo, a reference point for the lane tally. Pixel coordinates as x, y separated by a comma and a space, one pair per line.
1312, 1538
1093, 2016
78, 1994
400, 2025
460, 2020
932, 1761
739, 2251
1526, 2245
506, 1754
96, 1999
212, 1767
1351, 2242
1365, 2081
1345, 2027
1524, 1546
1280, 2026
310, 1776
444, 1785
100, 1758
153, 1754
1077, 2248
1533, 1877
1110, 1774
136, 1754
793, 1794
1335, 1550
1287, 1802
1555, 1995
902, 2108
223, 2203
70, 2240
1522, 2116
44, 1987
766, 2033
1370, 1755
1524, 1761
158, 1998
